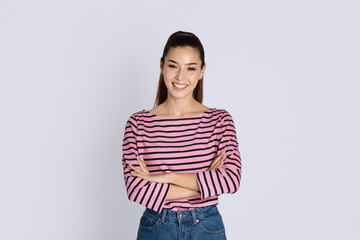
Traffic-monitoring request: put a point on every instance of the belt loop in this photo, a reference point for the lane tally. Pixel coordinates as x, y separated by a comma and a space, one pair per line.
163, 215
195, 220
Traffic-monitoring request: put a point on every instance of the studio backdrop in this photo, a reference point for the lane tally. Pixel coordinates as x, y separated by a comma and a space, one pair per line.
72, 73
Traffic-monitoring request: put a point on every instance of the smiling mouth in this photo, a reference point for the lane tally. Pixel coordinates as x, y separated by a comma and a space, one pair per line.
179, 86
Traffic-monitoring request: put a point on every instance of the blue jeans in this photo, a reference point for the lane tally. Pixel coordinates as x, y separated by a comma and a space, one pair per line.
201, 223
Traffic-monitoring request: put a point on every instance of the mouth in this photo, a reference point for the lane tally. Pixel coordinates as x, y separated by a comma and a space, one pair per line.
179, 87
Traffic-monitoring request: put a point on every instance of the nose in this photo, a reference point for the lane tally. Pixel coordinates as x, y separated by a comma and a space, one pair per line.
180, 75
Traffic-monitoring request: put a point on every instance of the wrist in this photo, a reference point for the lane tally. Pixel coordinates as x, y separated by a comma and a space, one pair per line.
170, 178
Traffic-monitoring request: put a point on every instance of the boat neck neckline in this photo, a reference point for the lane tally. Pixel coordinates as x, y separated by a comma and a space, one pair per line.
174, 118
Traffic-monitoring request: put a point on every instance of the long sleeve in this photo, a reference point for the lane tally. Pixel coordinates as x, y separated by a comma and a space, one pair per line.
225, 179
149, 194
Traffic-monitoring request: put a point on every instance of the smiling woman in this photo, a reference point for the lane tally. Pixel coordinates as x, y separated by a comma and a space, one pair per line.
181, 155
183, 59
182, 71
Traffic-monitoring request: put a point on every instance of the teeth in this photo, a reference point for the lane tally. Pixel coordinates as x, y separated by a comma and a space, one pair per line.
179, 86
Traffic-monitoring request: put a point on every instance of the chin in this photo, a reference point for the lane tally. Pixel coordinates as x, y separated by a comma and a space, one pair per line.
179, 96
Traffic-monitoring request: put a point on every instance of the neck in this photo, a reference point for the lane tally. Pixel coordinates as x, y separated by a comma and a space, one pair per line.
178, 107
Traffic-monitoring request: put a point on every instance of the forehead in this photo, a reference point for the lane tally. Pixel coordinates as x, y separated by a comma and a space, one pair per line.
183, 54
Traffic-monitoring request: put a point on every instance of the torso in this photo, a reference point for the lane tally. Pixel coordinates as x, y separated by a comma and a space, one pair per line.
184, 145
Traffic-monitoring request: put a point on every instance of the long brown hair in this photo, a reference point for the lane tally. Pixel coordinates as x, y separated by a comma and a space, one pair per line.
181, 39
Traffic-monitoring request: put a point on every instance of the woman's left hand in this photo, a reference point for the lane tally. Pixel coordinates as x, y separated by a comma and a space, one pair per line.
144, 173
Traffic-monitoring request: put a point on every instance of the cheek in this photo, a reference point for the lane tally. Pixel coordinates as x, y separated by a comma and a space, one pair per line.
168, 74
168, 77
195, 76
193, 81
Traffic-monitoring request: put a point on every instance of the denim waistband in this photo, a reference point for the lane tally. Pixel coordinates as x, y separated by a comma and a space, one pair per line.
183, 216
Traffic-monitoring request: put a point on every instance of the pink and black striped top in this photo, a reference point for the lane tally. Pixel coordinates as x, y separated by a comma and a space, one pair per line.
182, 145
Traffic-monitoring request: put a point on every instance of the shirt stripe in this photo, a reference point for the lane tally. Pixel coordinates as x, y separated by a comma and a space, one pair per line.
186, 145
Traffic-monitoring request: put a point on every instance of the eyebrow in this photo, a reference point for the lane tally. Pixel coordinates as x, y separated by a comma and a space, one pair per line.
185, 64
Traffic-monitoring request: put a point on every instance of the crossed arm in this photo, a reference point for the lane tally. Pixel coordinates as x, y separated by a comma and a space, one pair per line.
182, 185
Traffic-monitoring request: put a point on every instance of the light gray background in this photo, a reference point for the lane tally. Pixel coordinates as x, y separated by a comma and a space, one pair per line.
72, 72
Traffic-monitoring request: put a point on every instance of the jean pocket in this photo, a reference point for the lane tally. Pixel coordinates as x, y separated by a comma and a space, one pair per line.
212, 224
148, 222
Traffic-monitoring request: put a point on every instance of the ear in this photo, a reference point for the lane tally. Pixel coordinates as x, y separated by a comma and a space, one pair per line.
161, 66
202, 71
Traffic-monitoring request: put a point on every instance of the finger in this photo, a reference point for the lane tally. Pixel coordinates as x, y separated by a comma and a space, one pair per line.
134, 173
219, 165
216, 165
222, 162
132, 170
138, 173
136, 170
131, 166
213, 164
211, 167
218, 159
223, 157
143, 165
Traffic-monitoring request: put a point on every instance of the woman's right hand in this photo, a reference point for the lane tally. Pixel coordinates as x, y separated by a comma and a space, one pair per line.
218, 161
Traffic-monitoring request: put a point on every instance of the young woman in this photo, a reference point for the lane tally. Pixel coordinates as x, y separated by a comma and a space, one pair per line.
181, 155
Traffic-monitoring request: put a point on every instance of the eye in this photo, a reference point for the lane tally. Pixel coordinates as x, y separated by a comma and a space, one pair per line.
191, 69
171, 66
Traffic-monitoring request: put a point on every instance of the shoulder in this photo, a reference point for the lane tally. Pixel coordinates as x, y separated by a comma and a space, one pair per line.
137, 114
135, 117
225, 119
223, 113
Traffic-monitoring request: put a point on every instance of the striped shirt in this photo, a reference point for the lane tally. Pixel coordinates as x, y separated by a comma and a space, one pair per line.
182, 145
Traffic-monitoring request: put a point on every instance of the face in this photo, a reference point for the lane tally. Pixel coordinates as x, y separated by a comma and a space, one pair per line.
182, 70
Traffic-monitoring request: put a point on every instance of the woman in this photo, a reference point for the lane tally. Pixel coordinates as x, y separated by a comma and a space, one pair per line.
179, 156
